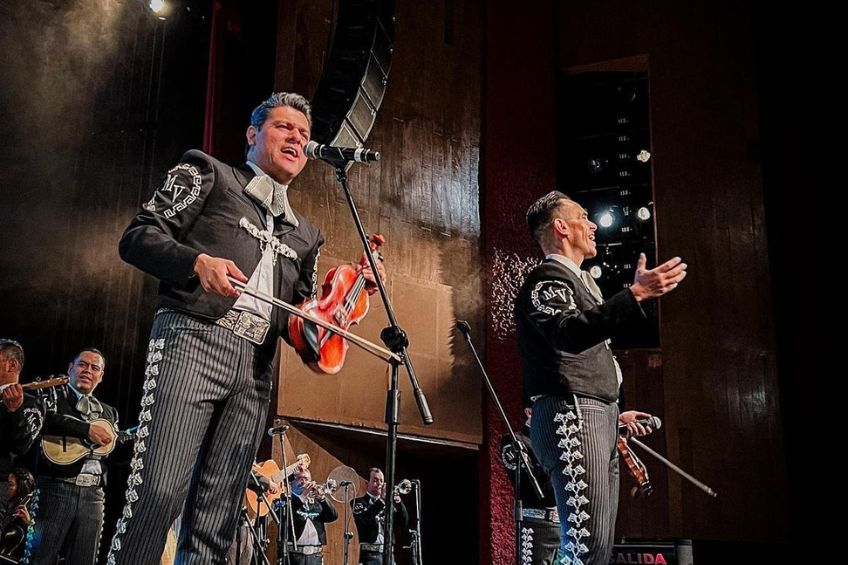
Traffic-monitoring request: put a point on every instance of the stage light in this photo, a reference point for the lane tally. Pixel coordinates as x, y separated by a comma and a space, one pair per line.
606, 219
643, 214
159, 7
595, 166
595, 272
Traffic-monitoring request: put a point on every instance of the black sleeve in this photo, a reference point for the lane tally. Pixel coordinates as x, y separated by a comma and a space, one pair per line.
328, 512
549, 305
152, 242
23, 425
64, 425
401, 515
367, 514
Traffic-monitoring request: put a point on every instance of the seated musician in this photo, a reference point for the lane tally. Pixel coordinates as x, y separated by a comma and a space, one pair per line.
17, 517
71, 496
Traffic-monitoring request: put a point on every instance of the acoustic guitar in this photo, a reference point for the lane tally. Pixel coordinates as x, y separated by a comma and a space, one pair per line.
270, 470
65, 450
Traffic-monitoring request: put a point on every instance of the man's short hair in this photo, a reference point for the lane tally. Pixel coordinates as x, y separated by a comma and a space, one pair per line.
91, 350
541, 212
11, 349
277, 100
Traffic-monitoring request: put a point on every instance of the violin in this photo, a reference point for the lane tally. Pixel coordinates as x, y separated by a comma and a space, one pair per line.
637, 469
343, 302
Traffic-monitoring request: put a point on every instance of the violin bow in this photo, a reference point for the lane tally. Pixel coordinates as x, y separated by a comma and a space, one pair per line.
363, 343
675, 468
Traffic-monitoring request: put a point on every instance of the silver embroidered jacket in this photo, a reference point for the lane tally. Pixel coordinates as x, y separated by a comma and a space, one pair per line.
201, 207
562, 331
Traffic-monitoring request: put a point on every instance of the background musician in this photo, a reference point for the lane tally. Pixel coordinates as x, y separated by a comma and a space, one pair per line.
71, 497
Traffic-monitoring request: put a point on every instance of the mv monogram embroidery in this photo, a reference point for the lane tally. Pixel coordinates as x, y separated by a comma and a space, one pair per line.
549, 297
173, 191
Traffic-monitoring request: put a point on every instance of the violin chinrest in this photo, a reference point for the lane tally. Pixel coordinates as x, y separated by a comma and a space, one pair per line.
310, 335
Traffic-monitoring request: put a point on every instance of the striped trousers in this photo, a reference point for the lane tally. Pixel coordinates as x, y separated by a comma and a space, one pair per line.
69, 518
576, 446
205, 399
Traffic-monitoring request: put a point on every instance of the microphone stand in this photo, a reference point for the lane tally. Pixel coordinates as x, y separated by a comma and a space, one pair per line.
416, 533
348, 535
518, 446
393, 336
398, 342
284, 525
257, 538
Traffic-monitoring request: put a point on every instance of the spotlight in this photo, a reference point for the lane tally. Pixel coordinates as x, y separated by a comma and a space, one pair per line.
606, 219
159, 7
643, 214
595, 272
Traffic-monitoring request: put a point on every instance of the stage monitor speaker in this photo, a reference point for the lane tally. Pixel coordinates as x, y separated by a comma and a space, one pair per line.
652, 552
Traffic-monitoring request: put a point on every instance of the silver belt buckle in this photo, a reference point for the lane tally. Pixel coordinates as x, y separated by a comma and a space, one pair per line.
541, 514
378, 547
534, 513
86, 480
247, 325
307, 549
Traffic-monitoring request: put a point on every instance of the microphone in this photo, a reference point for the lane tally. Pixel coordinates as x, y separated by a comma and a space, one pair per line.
278, 430
315, 150
463, 326
654, 423
345, 484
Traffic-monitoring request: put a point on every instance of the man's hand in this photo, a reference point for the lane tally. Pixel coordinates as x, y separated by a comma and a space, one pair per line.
311, 489
212, 273
368, 274
22, 513
652, 283
98, 435
635, 428
13, 397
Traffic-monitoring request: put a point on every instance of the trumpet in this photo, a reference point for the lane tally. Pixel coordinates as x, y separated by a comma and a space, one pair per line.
403, 487
328, 488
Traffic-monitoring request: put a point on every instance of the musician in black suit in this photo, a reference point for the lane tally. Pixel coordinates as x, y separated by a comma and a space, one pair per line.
539, 536
310, 511
369, 514
20, 415
564, 326
210, 359
71, 497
